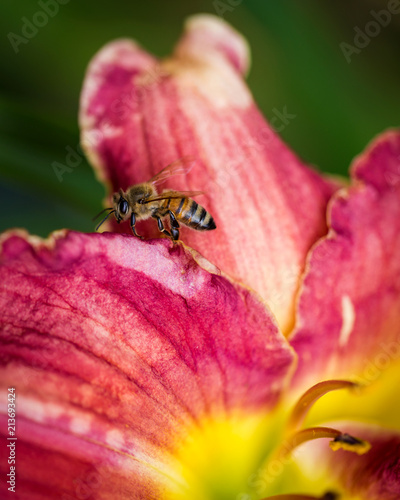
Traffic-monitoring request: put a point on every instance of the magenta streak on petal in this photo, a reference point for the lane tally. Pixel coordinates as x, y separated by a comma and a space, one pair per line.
54, 464
120, 104
126, 344
349, 308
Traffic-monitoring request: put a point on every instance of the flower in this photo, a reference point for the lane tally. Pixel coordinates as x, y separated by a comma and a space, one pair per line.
142, 370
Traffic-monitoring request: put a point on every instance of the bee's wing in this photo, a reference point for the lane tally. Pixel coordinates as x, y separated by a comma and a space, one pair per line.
181, 166
169, 195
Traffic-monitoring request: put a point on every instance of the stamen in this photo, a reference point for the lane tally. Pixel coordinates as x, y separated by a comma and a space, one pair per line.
294, 437
339, 440
350, 443
307, 400
328, 496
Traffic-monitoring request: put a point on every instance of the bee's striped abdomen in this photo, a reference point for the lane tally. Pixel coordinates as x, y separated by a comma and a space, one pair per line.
191, 214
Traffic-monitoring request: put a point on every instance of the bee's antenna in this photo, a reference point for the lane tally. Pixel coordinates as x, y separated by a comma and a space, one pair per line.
102, 211
105, 218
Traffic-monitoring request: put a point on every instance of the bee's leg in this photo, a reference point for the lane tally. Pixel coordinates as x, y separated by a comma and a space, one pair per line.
161, 226
174, 222
133, 223
174, 225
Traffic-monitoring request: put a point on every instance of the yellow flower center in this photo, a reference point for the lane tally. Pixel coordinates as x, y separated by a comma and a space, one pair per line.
239, 457
220, 456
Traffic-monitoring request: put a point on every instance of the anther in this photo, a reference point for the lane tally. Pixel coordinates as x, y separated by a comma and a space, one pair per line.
350, 443
339, 440
328, 496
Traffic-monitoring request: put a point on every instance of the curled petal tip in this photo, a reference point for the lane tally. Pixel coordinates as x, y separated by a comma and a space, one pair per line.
384, 154
131, 60
207, 36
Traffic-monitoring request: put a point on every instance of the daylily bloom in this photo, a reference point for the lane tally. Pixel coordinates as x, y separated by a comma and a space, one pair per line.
147, 369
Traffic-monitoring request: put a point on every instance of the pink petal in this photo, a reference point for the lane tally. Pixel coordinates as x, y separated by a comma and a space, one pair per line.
349, 308
373, 476
115, 347
139, 114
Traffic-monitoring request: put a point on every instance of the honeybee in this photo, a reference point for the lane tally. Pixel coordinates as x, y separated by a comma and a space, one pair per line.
142, 201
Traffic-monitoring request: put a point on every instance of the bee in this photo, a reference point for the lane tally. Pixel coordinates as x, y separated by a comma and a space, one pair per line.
142, 201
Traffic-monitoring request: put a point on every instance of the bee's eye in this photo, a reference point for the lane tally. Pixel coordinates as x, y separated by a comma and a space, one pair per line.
123, 207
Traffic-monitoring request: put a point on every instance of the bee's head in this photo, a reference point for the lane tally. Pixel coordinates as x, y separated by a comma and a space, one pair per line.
121, 206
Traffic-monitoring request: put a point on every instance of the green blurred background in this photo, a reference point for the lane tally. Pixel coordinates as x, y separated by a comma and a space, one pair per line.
297, 62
